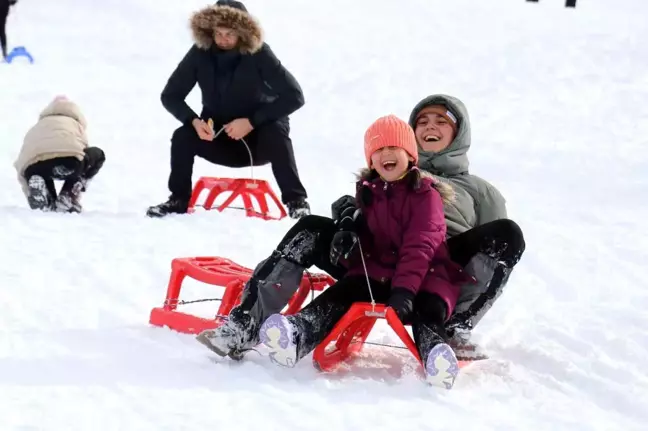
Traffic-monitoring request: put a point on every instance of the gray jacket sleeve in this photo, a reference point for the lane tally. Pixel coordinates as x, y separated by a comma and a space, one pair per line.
491, 206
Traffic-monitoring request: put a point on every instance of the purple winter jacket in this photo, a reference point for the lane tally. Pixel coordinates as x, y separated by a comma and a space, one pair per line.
404, 237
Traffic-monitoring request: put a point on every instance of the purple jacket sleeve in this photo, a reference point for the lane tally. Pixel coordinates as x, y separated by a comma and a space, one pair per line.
425, 231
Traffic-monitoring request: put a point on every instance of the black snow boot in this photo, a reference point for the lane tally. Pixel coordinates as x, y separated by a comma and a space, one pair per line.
171, 206
69, 200
39, 197
235, 337
298, 209
276, 279
438, 358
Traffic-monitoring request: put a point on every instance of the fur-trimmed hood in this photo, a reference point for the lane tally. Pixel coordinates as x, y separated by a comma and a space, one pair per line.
207, 19
414, 177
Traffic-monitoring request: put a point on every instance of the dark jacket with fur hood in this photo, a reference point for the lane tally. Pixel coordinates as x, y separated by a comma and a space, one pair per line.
246, 82
402, 234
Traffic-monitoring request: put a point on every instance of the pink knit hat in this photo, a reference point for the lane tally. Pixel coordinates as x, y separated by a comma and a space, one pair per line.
390, 131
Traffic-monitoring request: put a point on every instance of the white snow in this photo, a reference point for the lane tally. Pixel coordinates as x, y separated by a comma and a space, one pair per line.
558, 100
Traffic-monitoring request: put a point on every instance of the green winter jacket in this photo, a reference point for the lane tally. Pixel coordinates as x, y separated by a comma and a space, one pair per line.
476, 200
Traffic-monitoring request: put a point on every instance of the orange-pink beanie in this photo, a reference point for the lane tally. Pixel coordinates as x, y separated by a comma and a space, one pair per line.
390, 131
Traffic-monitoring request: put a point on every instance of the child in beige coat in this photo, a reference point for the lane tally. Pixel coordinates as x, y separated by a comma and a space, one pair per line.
56, 148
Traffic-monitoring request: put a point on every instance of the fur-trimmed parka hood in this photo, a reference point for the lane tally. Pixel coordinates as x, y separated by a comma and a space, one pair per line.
415, 178
230, 15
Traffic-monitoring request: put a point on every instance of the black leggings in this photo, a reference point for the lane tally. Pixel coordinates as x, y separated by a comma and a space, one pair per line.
325, 228
68, 169
501, 240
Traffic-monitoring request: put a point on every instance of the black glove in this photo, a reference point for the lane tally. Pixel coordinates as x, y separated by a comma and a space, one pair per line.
340, 205
342, 244
402, 301
348, 220
345, 239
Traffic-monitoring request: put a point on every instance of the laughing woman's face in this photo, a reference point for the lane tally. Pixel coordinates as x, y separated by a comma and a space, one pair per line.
433, 131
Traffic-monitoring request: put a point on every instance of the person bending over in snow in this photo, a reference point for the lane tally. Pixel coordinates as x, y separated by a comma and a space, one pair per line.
479, 236
4, 13
399, 240
248, 95
56, 148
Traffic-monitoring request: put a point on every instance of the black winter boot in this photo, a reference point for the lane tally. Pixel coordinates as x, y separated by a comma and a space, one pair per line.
272, 284
39, 197
172, 206
69, 200
235, 337
276, 279
439, 361
438, 358
298, 209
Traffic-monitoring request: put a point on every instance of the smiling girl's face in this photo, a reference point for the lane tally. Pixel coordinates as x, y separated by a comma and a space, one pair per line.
391, 163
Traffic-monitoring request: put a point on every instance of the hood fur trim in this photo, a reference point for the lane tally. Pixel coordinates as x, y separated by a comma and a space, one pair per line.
204, 22
415, 175
445, 190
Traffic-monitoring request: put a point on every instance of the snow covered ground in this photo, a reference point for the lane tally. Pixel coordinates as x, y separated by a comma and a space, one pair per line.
558, 100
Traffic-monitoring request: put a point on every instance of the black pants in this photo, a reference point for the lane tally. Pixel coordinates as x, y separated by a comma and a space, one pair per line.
4, 12
270, 143
318, 318
68, 169
324, 228
501, 240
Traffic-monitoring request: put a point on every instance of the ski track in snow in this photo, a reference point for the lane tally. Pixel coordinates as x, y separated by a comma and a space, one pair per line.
558, 100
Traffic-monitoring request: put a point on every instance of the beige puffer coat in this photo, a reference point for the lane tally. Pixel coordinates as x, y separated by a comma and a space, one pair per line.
59, 132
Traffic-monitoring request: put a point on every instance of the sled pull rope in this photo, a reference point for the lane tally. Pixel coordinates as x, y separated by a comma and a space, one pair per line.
247, 147
364, 265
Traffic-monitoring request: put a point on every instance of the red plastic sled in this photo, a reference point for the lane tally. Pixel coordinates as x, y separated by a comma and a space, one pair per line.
353, 329
219, 271
245, 188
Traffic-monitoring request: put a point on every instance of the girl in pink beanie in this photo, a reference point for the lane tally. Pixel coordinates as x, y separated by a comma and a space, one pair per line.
400, 229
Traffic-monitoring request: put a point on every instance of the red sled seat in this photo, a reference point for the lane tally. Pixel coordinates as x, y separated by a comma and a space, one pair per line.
350, 333
245, 188
219, 271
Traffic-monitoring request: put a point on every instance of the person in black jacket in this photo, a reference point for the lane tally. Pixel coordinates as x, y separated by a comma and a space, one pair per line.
4, 13
246, 93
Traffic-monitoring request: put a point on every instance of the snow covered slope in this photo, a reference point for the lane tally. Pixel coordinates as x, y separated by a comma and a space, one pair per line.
558, 100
